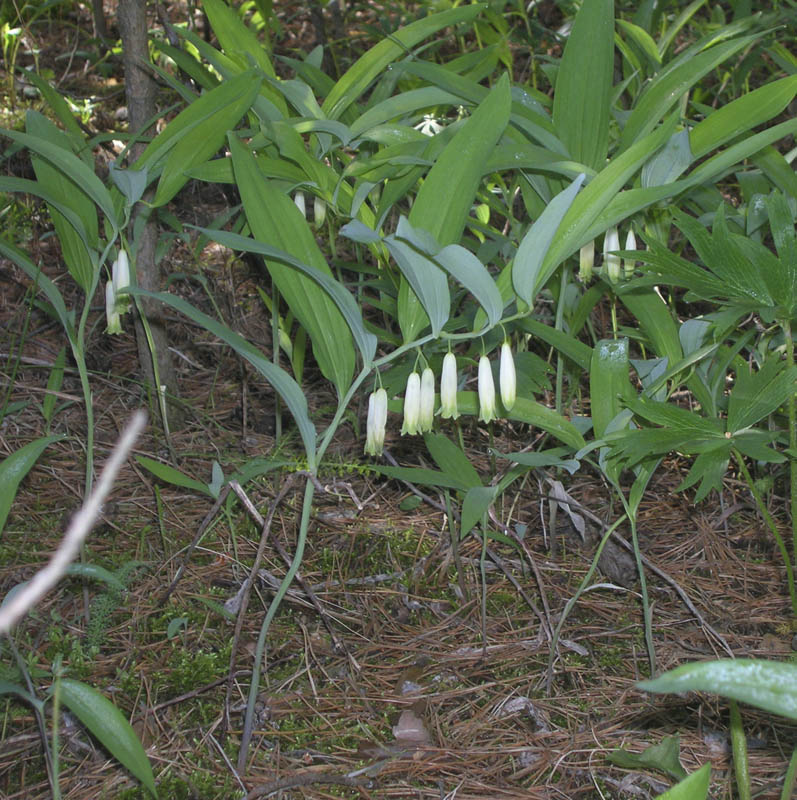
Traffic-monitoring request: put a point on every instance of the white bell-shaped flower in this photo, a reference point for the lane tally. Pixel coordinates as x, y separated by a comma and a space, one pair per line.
448, 387
427, 400
112, 316
120, 275
486, 391
586, 261
507, 377
375, 426
611, 261
629, 264
412, 406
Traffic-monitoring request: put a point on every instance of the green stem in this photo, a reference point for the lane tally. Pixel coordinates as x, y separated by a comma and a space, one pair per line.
791, 408
55, 743
789, 778
784, 553
741, 766
559, 325
254, 687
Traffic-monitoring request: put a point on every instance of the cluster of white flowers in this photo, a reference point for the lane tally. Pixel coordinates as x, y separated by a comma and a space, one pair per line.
614, 267
419, 398
115, 305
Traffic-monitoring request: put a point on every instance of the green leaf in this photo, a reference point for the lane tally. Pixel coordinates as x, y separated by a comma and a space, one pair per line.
582, 95
443, 202
450, 458
223, 108
169, 474
421, 477
741, 115
93, 572
6, 687
608, 382
238, 41
14, 468
664, 756
72, 167
477, 500
758, 394
109, 727
567, 345
77, 244
535, 244
473, 275
372, 64
696, 786
277, 377
275, 220
54, 382
342, 298
771, 685
664, 91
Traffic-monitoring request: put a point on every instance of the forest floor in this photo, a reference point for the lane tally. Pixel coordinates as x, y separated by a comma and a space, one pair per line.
396, 675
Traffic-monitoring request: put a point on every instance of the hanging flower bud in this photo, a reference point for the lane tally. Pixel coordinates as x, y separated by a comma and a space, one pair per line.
448, 387
612, 262
486, 391
319, 211
298, 198
412, 406
586, 260
507, 377
629, 264
375, 426
427, 400
120, 275
111, 314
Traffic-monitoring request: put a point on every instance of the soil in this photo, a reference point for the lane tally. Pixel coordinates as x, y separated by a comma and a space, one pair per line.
389, 673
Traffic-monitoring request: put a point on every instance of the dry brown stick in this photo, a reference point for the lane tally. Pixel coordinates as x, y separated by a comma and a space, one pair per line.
307, 778
668, 579
191, 547
250, 581
337, 645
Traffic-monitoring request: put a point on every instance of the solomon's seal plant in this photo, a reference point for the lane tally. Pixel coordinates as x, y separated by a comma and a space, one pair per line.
506, 377
486, 391
375, 426
448, 387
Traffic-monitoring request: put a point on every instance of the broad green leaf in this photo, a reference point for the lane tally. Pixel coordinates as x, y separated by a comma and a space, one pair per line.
77, 245
372, 64
402, 105
664, 756
275, 220
238, 41
194, 117
451, 460
169, 474
567, 345
664, 91
443, 202
473, 275
669, 163
6, 687
341, 297
535, 244
741, 115
445, 197
59, 203
421, 477
94, 572
15, 467
477, 500
608, 382
758, 394
582, 94
57, 103
590, 202
109, 727
72, 167
771, 685
277, 377
656, 320
230, 101
545, 458
48, 288
696, 786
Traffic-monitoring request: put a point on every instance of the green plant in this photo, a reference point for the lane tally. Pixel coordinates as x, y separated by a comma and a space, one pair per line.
771, 685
